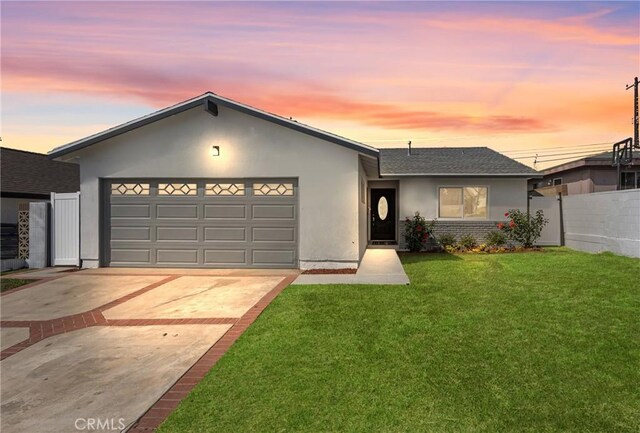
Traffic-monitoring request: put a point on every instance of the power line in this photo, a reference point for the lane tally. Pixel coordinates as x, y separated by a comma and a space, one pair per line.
558, 154
558, 147
568, 157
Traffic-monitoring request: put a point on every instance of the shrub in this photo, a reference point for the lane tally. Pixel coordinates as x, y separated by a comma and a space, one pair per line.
496, 238
522, 228
467, 242
417, 231
446, 240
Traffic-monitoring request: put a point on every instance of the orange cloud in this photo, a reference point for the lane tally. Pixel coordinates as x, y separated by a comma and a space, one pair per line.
388, 115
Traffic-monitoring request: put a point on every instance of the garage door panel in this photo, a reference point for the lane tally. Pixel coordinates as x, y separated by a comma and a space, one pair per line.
130, 255
177, 234
181, 211
177, 256
270, 234
206, 228
225, 211
130, 211
273, 211
130, 233
273, 257
225, 257
225, 234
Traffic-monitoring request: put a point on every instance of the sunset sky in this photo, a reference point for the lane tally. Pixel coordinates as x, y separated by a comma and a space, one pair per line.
521, 78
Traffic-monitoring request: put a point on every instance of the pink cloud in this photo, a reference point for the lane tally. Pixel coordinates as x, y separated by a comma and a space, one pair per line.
376, 65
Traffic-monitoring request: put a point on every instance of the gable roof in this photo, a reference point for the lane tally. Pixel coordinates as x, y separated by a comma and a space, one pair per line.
29, 173
209, 101
451, 161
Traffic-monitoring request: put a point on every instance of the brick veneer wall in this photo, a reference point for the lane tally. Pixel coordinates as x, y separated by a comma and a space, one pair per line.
478, 229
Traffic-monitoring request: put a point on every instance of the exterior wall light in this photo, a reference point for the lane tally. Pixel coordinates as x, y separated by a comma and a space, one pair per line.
215, 150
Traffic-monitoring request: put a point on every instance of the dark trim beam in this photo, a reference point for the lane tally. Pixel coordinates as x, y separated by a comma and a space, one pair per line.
24, 195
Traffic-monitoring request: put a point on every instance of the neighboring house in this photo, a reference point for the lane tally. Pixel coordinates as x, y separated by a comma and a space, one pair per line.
29, 176
211, 182
591, 174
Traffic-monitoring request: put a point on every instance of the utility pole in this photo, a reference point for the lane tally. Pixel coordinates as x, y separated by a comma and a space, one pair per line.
636, 143
623, 150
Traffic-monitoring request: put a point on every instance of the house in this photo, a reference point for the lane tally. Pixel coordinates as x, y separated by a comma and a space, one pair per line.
30, 176
211, 182
586, 175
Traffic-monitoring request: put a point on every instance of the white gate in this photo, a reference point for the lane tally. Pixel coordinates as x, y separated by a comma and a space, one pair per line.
65, 242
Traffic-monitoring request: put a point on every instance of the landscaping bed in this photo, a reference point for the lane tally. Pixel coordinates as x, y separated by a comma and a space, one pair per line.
330, 271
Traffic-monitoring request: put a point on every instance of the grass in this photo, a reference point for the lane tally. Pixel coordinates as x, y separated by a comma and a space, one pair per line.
11, 283
530, 342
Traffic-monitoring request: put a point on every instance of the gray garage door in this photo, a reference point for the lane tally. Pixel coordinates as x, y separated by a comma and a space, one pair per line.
201, 223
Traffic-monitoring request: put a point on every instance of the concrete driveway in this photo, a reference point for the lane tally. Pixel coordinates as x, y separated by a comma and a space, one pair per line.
117, 349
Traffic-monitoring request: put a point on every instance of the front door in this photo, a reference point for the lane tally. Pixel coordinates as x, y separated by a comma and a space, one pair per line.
383, 214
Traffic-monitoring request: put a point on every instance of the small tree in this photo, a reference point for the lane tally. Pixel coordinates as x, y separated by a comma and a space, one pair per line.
417, 231
522, 228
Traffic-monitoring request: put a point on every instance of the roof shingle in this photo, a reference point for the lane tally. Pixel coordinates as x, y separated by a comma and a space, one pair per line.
34, 173
450, 161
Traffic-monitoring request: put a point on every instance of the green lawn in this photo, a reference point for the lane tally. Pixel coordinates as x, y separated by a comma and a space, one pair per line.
526, 342
11, 283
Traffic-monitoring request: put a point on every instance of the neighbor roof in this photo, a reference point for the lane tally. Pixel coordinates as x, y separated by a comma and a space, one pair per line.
604, 159
451, 161
29, 173
209, 102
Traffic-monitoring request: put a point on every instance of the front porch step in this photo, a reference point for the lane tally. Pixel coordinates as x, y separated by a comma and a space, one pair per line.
381, 245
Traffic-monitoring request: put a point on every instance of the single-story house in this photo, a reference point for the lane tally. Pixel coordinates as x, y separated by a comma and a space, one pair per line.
211, 182
30, 176
590, 174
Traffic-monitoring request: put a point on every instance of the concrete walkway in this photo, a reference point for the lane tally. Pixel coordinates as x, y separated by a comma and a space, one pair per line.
378, 266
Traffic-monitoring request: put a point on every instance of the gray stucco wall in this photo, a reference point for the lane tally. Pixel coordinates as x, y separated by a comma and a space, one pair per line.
421, 194
606, 221
179, 147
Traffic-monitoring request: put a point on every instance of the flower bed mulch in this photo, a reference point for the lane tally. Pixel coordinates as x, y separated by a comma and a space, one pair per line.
493, 250
330, 271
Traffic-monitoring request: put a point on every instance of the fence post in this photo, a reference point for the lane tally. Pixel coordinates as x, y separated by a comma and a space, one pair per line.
561, 219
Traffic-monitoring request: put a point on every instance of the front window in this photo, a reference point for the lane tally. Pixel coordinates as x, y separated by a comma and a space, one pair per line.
557, 181
463, 202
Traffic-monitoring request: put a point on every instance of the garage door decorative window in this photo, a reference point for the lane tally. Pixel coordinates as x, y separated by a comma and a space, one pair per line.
224, 189
130, 189
177, 189
272, 189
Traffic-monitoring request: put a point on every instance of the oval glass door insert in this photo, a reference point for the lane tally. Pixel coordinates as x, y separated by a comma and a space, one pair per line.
383, 208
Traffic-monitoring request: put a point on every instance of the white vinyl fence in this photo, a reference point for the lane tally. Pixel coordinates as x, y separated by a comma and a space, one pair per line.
65, 224
603, 221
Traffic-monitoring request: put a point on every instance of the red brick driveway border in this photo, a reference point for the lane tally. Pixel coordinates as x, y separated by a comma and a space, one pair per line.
170, 400
160, 410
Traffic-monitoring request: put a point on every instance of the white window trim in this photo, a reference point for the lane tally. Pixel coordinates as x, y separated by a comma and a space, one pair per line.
462, 218
553, 181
